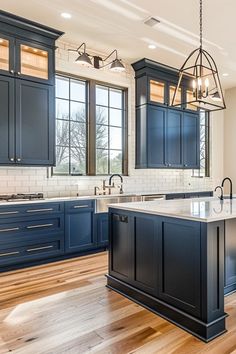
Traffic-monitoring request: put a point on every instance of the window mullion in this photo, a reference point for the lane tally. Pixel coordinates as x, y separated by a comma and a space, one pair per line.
91, 146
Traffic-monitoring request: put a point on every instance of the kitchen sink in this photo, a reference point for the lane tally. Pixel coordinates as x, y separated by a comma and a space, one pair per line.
103, 202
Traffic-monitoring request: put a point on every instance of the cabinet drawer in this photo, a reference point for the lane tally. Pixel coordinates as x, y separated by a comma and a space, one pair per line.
12, 211
76, 206
205, 194
31, 251
175, 196
19, 230
191, 195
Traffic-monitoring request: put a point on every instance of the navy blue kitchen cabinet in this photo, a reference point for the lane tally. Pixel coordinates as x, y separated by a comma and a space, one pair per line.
7, 131
134, 245
80, 232
172, 266
156, 124
35, 128
166, 136
174, 139
191, 153
102, 229
31, 232
189, 195
27, 92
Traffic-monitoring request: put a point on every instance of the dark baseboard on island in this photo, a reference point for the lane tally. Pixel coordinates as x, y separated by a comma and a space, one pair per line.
204, 331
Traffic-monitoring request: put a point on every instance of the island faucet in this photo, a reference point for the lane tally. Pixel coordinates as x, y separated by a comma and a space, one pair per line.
221, 189
121, 180
231, 186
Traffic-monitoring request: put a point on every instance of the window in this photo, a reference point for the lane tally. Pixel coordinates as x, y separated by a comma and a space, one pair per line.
204, 170
109, 129
71, 126
90, 132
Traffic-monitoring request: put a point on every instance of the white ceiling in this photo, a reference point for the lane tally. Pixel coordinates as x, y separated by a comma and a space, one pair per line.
108, 24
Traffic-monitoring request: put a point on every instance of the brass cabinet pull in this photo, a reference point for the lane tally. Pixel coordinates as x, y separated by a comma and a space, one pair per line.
80, 206
9, 212
37, 226
8, 254
10, 229
38, 210
39, 248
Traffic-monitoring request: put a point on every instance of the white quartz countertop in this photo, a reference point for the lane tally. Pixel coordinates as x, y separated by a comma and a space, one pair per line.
92, 197
199, 209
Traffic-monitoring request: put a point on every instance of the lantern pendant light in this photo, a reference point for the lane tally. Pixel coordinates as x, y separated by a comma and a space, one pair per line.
199, 76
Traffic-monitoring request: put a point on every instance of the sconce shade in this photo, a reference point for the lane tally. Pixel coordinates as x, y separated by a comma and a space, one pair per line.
83, 59
117, 66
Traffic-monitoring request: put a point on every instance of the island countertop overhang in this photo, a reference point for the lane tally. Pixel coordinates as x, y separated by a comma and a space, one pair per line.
206, 210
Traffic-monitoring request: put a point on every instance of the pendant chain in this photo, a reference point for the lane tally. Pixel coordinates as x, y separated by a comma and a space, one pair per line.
201, 23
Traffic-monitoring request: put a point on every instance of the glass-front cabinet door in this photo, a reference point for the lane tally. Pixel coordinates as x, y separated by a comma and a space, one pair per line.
34, 62
6, 55
157, 91
178, 97
189, 98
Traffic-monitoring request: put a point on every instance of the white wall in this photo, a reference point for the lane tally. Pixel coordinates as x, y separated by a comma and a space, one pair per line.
229, 135
27, 179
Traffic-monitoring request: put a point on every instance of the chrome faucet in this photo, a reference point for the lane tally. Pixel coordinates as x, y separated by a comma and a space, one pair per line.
231, 186
109, 187
96, 189
221, 189
121, 181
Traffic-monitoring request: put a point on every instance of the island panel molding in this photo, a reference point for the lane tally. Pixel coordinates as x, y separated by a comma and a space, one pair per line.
182, 261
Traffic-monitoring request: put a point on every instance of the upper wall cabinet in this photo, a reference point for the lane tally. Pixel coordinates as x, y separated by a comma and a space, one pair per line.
156, 84
166, 136
23, 58
27, 79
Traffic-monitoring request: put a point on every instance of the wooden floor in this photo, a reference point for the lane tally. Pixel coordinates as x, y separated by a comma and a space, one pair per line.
64, 307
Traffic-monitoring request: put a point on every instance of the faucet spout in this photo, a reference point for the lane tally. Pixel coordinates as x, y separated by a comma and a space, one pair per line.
231, 185
221, 189
121, 180
115, 175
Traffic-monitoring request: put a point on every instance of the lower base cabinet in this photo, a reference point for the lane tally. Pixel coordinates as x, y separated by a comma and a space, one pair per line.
45, 231
134, 247
30, 232
102, 229
80, 232
172, 266
32, 250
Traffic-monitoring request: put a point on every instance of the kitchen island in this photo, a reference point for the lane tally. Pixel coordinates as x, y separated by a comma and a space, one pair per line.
176, 258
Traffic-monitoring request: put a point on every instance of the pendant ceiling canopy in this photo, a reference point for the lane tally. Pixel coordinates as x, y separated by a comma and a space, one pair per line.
199, 75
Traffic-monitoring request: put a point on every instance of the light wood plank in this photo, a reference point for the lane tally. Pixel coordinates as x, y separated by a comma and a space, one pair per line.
65, 308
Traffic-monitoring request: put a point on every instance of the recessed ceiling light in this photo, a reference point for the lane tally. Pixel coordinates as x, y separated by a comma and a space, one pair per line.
65, 15
225, 74
152, 46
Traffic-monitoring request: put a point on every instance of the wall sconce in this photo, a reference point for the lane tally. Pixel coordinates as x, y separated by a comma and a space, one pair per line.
85, 59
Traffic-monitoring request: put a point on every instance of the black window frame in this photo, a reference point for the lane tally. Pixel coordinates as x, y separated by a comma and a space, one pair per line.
204, 172
90, 102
